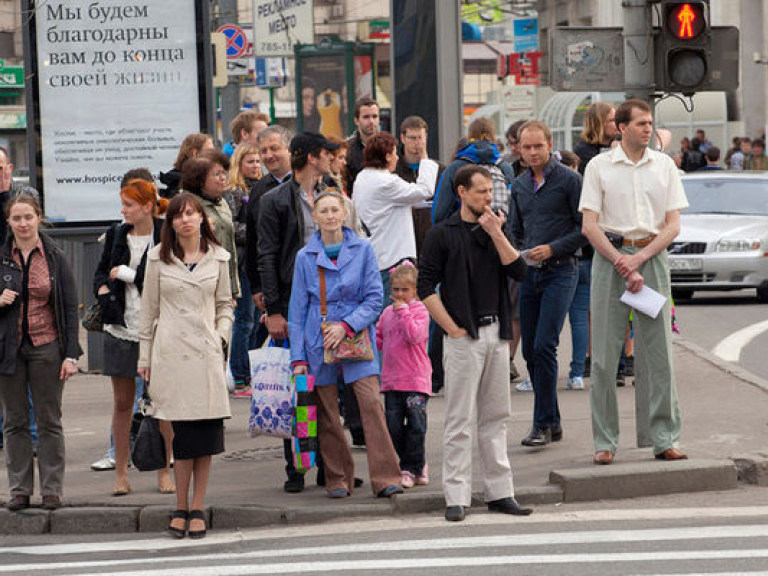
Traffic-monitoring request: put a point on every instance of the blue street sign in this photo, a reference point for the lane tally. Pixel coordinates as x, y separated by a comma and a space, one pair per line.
526, 34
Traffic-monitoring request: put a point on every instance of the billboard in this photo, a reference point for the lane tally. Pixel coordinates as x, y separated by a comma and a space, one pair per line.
115, 87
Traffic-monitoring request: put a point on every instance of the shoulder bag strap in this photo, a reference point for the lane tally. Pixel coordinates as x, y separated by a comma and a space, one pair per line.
323, 301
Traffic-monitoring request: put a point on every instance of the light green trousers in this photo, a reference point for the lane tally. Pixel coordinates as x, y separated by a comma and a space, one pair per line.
609, 318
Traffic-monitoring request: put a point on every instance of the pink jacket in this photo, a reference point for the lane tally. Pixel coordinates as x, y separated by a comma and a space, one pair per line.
401, 336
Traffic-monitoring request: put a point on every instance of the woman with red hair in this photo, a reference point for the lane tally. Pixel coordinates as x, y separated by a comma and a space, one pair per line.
118, 282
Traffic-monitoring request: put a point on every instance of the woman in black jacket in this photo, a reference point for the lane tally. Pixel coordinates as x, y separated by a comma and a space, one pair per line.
39, 328
118, 283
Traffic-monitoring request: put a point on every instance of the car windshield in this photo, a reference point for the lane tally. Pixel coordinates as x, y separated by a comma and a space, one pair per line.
726, 196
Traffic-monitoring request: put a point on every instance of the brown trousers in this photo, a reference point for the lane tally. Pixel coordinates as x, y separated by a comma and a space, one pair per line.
339, 467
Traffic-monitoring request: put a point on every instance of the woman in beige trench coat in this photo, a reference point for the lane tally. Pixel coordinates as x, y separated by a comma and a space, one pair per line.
185, 323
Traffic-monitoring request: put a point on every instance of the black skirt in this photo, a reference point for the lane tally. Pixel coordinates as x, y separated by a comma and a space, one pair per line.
197, 438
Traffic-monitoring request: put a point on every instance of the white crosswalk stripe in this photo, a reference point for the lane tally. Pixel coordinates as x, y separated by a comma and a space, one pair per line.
254, 554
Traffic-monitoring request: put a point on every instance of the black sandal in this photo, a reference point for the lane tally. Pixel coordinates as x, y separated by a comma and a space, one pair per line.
197, 515
178, 532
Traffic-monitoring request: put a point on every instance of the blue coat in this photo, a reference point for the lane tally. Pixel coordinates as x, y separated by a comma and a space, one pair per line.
354, 294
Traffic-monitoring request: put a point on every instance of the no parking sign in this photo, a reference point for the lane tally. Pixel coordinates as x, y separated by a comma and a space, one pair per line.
237, 43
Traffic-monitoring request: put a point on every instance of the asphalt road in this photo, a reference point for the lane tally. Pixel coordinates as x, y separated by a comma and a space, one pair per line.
705, 533
711, 317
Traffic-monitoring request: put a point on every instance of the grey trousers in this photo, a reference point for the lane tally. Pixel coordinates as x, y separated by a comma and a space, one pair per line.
609, 321
476, 392
39, 369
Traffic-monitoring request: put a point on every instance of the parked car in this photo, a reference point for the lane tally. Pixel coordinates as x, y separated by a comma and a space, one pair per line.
723, 240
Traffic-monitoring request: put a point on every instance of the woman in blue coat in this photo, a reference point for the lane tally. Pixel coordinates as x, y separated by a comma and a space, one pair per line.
354, 300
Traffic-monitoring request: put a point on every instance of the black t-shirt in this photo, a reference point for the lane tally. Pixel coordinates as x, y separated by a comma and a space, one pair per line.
483, 271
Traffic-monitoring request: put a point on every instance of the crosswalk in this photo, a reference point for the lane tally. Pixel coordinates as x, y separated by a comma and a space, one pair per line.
681, 541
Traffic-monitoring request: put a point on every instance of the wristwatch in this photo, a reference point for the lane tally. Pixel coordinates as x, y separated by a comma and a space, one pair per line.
73, 360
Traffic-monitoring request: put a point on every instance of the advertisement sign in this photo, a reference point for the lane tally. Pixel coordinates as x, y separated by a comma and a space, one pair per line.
324, 96
279, 24
116, 88
270, 72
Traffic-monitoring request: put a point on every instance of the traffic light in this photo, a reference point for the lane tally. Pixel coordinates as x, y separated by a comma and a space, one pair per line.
686, 45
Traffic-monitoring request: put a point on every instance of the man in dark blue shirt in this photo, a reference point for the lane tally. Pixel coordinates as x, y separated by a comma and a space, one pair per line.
546, 227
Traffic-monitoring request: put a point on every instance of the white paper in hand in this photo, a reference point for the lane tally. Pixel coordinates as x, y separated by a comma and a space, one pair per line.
647, 301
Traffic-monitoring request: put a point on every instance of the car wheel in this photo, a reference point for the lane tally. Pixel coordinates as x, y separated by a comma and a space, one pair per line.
762, 293
682, 294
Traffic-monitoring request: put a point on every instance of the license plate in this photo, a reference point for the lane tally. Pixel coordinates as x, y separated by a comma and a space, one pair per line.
685, 264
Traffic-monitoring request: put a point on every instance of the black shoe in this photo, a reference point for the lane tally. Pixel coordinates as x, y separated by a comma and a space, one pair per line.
629, 366
294, 485
538, 437
179, 532
18, 502
587, 367
620, 379
557, 433
508, 505
358, 482
197, 534
455, 513
320, 476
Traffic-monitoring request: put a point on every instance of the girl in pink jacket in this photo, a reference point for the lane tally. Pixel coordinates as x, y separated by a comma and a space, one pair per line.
406, 375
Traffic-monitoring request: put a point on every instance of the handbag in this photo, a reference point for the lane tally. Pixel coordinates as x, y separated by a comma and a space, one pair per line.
92, 320
355, 348
271, 392
148, 447
304, 429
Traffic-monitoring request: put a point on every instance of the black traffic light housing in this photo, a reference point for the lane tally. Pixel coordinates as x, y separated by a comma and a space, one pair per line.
685, 42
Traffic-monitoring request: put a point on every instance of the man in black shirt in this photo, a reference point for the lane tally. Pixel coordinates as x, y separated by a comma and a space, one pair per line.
470, 256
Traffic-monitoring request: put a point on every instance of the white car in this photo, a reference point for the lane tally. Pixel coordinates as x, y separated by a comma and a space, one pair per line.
723, 240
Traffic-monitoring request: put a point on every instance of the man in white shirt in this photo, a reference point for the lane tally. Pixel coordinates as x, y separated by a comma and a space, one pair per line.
631, 201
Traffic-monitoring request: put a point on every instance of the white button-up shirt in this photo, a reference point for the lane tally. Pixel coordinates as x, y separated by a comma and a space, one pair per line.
632, 199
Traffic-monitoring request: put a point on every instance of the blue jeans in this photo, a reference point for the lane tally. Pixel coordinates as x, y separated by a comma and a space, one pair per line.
406, 415
244, 332
578, 316
545, 296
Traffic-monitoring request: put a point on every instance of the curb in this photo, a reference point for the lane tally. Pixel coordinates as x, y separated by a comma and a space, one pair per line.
574, 485
730, 369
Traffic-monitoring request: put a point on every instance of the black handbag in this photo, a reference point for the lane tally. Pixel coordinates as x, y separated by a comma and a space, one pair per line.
92, 321
148, 447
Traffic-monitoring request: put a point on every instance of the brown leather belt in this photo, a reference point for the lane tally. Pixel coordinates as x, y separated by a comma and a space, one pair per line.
640, 242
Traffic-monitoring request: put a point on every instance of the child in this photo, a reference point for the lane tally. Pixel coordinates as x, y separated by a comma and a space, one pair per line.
406, 375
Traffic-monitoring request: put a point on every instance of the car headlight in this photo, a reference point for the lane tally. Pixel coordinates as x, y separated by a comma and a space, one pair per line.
727, 245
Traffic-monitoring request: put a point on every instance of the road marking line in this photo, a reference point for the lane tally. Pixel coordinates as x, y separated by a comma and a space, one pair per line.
162, 542
612, 537
410, 564
730, 347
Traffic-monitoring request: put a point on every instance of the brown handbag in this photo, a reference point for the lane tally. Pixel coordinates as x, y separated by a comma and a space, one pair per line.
357, 348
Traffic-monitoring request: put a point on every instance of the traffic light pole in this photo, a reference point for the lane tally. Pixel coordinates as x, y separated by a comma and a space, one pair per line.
639, 83
638, 50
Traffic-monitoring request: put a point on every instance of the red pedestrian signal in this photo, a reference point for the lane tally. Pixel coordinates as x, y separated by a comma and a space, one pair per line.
684, 46
686, 21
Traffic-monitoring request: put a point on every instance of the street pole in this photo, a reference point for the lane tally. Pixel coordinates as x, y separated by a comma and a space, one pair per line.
229, 95
639, 83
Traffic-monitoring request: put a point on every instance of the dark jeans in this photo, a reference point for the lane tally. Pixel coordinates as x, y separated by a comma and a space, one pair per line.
248, 333
406, 414
545, 296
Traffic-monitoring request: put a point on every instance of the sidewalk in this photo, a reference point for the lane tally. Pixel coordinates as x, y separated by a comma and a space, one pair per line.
724, 416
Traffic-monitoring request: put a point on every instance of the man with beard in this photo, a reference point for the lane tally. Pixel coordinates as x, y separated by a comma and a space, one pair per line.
471, 258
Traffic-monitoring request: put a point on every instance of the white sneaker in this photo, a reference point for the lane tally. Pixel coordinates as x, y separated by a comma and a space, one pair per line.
524, 386
105, 463
575, 383
407, 480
